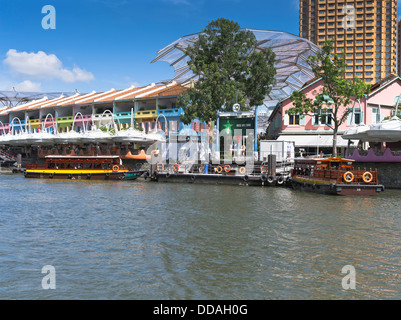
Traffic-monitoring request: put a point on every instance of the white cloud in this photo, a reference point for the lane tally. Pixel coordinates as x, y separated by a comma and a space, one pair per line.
44, 66
28, 86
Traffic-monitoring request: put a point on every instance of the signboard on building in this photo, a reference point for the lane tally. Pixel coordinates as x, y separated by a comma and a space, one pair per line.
236, 125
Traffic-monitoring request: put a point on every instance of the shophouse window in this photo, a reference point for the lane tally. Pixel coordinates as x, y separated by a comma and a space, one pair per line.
358, 116
293, 119
323, 117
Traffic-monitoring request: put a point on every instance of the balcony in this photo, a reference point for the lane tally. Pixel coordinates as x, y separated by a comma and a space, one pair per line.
63, 122
146, 114
34, 123
84, 120
4, 128
176, 112
123, 117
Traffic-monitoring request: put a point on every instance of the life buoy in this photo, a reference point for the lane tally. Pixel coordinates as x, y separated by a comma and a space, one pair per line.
367, 177
242, 170
219, 169
227, 168
348, 176
261, 169
115, 168
176, 167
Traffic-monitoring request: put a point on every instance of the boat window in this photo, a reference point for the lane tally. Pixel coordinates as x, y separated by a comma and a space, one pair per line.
106, 165
87, 165
97, 165
51, 165
69, 165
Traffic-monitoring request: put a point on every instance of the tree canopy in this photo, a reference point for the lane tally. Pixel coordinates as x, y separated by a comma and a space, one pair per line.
230, 70
336, 95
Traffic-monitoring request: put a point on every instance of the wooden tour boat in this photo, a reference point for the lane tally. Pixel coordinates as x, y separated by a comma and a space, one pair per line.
81, 168
333, 175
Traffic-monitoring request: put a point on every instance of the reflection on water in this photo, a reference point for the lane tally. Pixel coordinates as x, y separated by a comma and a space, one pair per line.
141, 240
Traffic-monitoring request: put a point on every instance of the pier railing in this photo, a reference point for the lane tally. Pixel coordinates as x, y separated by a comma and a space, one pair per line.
353, 176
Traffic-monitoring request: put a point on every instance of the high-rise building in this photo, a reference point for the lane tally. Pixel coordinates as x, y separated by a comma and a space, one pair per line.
399, 48
364, 32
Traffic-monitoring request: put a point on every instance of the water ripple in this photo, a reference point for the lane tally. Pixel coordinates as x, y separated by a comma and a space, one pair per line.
140, 240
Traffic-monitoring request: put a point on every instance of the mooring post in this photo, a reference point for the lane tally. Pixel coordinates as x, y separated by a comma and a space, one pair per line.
271, 158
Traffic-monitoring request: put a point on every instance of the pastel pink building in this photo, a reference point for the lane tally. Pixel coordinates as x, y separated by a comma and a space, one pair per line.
312, 133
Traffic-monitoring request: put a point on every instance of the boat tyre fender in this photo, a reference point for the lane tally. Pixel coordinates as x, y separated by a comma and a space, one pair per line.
168, 175
108, 174
89, 175
263, 177
193, 178
25, 173
70, 176
51, 175
270, 179
280, 180
246, 178
146, 175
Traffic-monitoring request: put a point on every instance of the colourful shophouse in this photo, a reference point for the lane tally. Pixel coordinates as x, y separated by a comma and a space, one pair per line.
144, 107
312, 134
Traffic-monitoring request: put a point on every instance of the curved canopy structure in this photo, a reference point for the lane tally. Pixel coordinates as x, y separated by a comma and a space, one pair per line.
291, 54
9, 99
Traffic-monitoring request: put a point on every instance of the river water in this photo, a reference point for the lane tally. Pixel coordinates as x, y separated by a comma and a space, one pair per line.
146, 240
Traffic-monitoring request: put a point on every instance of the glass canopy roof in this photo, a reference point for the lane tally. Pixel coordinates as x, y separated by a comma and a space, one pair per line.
291, 54
10, 99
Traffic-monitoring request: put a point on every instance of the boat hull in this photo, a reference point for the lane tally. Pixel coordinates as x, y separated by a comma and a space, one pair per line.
331, 187
125, 175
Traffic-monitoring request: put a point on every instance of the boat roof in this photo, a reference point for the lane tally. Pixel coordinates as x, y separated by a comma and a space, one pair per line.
81, 157
324, 159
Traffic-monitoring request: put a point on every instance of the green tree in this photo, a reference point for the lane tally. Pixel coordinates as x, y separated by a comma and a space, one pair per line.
336, 95
229, 70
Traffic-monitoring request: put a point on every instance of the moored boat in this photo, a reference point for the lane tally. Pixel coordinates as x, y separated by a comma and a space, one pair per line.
333, 175
81, 167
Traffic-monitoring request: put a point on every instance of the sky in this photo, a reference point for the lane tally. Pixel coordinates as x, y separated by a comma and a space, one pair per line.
97, 45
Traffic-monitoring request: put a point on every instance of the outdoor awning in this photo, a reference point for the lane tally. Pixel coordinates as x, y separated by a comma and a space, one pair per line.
315, 140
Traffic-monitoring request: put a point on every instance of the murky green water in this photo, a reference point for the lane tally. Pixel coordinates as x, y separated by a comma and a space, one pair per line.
141, 240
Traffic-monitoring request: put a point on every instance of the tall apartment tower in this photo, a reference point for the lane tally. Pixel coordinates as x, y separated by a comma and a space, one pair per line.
399, 49
364, 32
